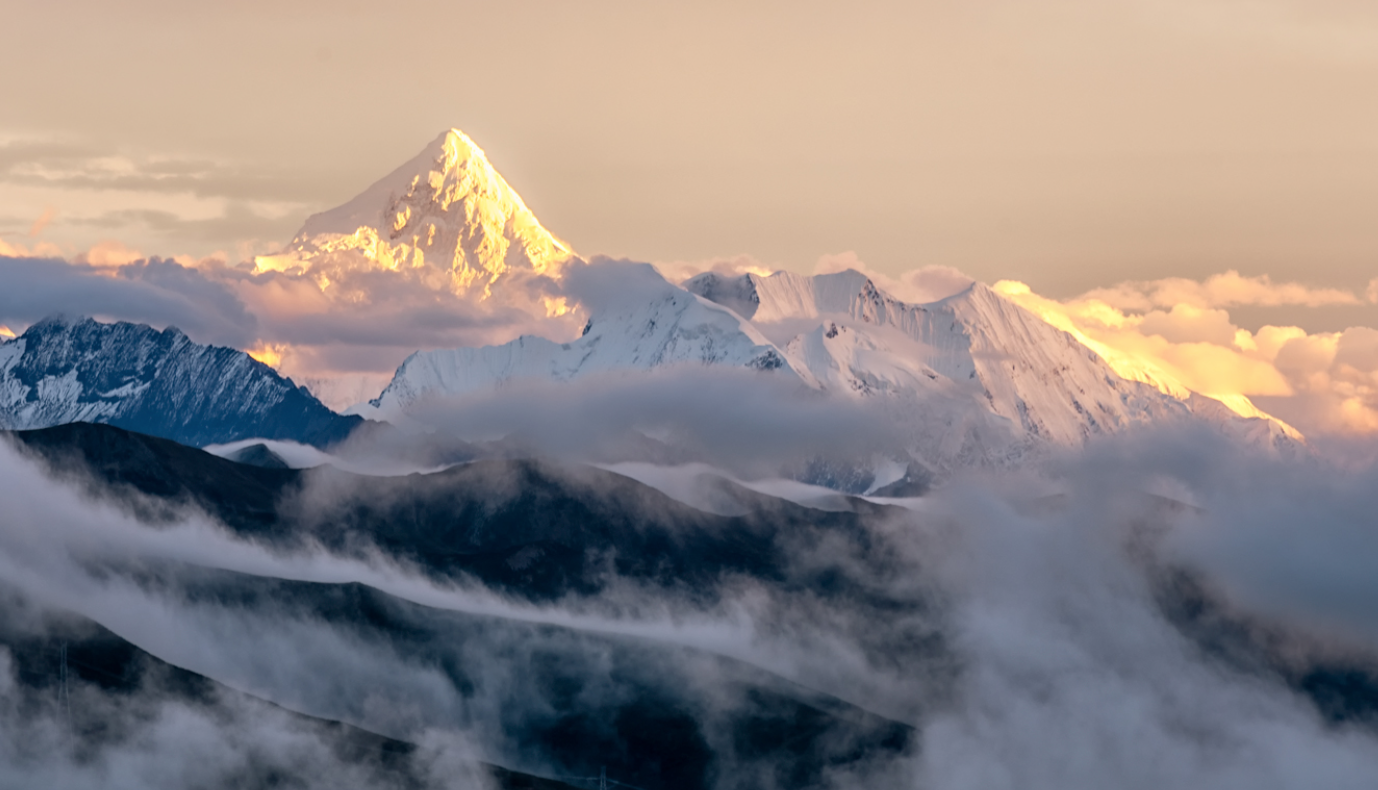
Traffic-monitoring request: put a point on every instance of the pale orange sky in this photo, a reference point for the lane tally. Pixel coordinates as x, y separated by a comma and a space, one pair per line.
1065, 144
1191, 186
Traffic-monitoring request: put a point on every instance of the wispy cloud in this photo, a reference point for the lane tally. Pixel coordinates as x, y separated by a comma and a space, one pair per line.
1178, 641
68, 165
238, 221
179, 202
154, 291
42, 221
1228, 289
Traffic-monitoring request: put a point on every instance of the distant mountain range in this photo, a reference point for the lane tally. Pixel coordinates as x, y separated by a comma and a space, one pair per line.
156, 382
500, 615
450, 213
844, 335
449, 210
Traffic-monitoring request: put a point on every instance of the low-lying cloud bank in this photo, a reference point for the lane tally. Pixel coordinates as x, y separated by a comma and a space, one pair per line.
1160, 609
158, 292
343, 338
1178, 333
344, 334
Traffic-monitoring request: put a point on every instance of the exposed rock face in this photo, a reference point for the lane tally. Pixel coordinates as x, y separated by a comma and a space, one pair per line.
159, 383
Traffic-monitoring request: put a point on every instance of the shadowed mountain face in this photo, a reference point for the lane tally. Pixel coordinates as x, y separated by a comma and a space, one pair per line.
160, 383
529, 684
563, 702
84, 694
535, 529
555, 700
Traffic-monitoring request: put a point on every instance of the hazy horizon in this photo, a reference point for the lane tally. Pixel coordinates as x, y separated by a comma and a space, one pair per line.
1070, 147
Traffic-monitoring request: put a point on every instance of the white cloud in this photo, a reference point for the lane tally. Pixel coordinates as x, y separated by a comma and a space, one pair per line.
679, 271
1192, 343
1228, 289
985, 615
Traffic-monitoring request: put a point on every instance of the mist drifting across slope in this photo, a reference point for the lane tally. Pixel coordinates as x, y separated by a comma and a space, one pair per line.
1158, 609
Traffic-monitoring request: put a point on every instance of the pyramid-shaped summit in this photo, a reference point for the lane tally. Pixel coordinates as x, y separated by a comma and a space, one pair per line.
446, 211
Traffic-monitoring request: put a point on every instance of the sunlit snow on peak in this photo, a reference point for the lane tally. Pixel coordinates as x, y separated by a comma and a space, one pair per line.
269, 354
446, 212
1134, 367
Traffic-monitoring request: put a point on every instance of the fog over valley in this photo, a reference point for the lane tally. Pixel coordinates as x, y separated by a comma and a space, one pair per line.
425, 496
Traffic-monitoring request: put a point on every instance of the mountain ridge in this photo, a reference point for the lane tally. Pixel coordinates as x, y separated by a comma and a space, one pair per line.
447, 212
856, 340
673, 327
64, 369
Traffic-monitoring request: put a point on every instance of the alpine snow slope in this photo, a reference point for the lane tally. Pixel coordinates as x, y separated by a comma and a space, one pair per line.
972, 352
861, 340
445, 213
448, 217
649, 324
157, 382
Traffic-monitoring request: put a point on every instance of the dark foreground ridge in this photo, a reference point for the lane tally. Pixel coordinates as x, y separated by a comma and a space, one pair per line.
560, 701
101, 693
544, 698
533, 528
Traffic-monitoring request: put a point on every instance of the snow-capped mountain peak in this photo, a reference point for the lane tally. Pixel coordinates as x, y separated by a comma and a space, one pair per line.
784, 295
447, 209
668, 326
974, 361
1040, 378
63, 370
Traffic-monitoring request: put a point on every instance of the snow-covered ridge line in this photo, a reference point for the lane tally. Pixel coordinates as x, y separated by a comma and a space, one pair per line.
994, 326
157, 382
856, 340
674, 328
975, 342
